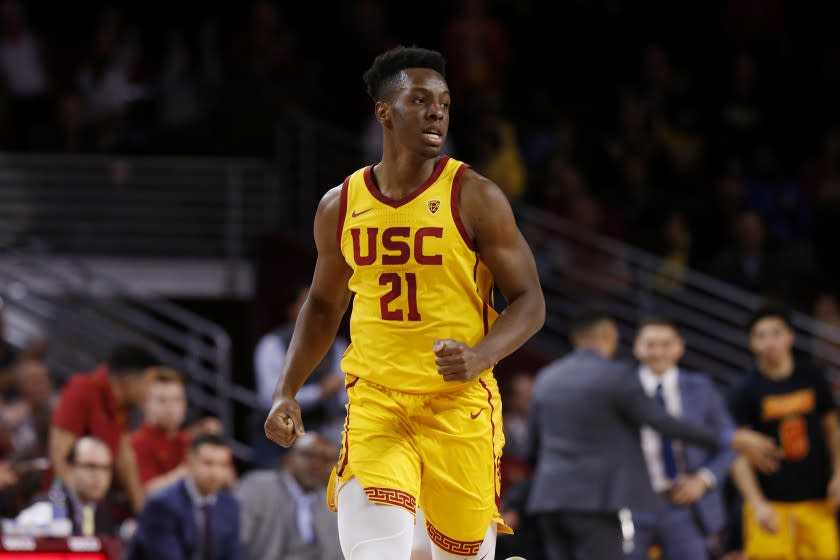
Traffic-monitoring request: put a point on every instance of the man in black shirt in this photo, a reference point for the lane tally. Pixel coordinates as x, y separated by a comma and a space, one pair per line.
790, 513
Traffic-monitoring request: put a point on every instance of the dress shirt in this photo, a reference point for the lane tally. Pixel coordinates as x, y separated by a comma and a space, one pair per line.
651, 440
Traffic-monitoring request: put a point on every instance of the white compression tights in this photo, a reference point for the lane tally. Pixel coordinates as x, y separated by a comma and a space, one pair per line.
372, 532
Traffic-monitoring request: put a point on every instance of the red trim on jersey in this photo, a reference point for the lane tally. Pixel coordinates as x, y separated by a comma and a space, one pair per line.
453, 203
496, 460
450, 545
346, 436
342, 210
377, 194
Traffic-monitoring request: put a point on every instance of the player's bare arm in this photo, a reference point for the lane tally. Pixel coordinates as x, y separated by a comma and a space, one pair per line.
316, 326
489, 220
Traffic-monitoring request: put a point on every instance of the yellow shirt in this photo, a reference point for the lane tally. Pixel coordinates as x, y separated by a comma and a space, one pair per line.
416, 278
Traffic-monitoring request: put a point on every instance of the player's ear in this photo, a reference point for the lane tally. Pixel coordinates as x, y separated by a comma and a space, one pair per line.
382, 111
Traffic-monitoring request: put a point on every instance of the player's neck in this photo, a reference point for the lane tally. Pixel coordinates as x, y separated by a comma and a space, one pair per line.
399, 173
776, 369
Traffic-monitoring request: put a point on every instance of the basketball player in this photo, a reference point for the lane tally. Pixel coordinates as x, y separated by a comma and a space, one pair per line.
419, 239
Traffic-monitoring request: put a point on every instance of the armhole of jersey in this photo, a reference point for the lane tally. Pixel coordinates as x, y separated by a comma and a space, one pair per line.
456, 212
342, 210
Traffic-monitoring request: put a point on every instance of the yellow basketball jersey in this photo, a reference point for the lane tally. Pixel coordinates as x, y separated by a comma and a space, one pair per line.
416, 278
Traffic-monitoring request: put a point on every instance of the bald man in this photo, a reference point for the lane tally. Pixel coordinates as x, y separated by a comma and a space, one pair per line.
81, 493
284, 511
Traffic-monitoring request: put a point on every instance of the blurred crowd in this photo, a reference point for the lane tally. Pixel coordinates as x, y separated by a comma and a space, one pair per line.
112, 453
715, 144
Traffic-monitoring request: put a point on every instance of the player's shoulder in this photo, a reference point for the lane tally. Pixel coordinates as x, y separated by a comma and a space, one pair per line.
332, 198
480, 196
474, 184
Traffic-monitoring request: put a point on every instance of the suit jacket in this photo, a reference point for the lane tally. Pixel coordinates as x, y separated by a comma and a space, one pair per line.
269, 521
103, 519
702, 404
585, 418
167, 529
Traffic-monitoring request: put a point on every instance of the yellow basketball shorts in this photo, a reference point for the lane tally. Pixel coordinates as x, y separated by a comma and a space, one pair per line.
807, 531
440, 451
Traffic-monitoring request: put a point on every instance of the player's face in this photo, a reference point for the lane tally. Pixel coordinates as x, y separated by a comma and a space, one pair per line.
210, 467
771, 339
419, 115
658, 347
166, 405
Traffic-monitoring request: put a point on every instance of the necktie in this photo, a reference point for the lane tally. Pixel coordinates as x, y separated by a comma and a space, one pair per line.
207, 510
669, 459
88, 527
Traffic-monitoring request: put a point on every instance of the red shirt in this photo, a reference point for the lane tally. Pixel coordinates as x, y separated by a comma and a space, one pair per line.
157, 451
88, 407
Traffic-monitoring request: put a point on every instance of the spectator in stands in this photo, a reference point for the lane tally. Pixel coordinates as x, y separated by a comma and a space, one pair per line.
793, 509
26, 421
195, 517
105, 80
8, 357
80, 494
160, 444
687, 478
98, 404
750, 264
675, 250
496, 146
284, 510
321, 398
516, 414
515, 466
24, 72
477, 50
32, 411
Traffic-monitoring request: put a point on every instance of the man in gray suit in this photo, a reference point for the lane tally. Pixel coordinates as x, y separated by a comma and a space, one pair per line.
585, 420
284, 511
687, 478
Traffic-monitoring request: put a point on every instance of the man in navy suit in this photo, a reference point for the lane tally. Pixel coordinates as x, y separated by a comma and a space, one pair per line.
194, 518
687, 478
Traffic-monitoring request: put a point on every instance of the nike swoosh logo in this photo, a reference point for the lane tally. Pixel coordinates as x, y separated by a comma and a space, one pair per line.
473, 416
357, 214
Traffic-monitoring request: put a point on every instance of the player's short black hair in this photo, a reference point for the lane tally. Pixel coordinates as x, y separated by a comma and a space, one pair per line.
768, 311
659, 321
386, 67
585, 319
213, 440
130, 359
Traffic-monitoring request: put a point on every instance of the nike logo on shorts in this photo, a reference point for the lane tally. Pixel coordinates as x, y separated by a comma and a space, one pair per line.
474, 415
357, 214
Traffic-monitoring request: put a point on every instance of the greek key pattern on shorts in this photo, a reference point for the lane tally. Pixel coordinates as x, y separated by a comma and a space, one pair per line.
466, 548
392, 497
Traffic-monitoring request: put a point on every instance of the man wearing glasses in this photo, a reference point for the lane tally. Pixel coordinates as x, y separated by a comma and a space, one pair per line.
78, 497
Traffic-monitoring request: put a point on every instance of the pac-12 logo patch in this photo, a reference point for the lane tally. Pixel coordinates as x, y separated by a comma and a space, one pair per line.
433, 205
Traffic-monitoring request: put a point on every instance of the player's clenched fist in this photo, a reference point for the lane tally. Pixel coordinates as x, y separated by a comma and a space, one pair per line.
284, 425
456, 361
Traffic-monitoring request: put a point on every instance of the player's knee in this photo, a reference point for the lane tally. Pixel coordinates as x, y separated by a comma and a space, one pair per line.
390, 546
370, 531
